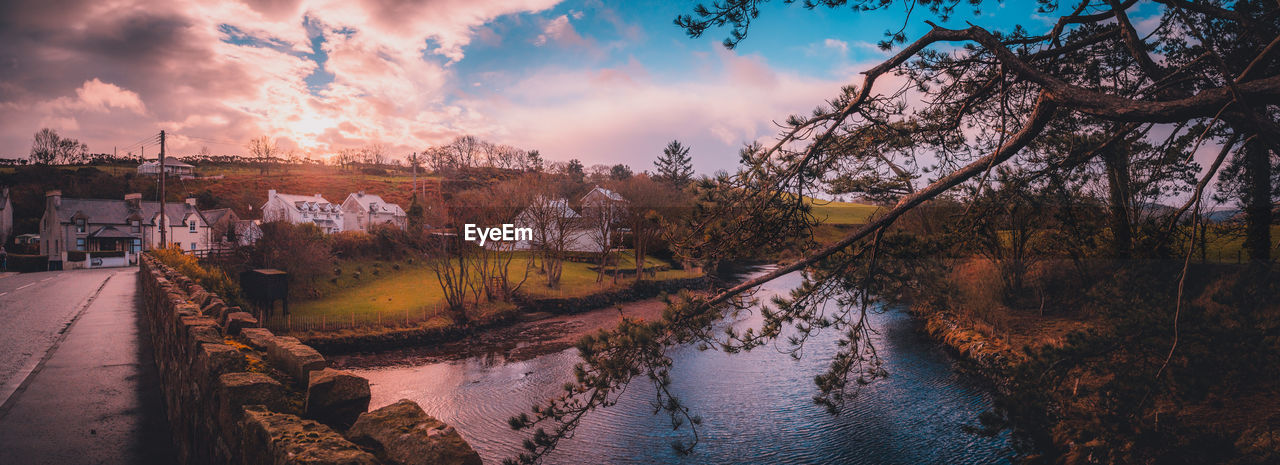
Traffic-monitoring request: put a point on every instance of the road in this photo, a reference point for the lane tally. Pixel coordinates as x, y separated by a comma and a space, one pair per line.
35, 309
80, 384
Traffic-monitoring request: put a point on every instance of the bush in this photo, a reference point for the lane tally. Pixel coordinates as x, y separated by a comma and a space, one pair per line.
213, 280
352, 244
76, 256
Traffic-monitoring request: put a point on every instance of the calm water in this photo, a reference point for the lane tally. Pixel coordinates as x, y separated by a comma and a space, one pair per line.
755, 407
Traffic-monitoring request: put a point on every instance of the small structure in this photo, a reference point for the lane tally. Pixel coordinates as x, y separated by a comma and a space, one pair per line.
172, 167
263, 287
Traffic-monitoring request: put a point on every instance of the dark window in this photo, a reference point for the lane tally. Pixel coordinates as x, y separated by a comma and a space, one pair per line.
80, 243
136, 226
79, 225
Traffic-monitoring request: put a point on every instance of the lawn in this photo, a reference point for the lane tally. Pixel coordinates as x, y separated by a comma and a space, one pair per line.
412, 292
832, 212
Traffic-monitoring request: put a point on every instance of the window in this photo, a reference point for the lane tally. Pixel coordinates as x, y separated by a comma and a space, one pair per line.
193, 246
79, 225
137, 244
136, 226
80, 243
192, 226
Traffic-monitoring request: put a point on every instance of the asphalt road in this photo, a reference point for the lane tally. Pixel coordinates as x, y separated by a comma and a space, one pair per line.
91, 395
35, 309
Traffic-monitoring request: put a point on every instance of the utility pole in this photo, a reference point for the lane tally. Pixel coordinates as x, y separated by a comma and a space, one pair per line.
163, 236
413, 160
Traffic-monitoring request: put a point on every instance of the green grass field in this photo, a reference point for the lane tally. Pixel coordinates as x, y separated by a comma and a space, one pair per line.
413, 291
832, 212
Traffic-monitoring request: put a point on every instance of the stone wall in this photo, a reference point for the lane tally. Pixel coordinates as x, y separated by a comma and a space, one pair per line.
238, 394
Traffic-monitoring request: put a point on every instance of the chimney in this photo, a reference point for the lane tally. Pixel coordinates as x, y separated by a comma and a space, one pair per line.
134, 201
360, 194
191, 201
271, 193
54, 198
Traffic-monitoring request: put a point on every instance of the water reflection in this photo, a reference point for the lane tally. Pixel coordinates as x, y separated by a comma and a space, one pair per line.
755, 407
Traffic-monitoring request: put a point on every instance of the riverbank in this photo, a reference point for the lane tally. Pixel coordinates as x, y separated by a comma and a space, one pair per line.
544, 313
1094, 381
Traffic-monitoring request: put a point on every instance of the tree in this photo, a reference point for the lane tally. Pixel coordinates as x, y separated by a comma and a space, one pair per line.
982, 99
48, 148
575, 171
533, 161
620, 172
649, 204
674, 166
263, 150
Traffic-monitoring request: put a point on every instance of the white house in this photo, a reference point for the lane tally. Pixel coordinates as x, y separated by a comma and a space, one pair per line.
80, 233
602, 212
299, 209
172, 167
361, 211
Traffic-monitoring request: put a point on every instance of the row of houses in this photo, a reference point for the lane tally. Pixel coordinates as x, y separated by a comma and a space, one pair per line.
76, 232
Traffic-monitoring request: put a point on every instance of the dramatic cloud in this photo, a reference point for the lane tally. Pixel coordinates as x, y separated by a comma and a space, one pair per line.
322, 75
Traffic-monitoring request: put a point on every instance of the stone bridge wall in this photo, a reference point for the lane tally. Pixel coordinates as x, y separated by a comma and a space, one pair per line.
237, 394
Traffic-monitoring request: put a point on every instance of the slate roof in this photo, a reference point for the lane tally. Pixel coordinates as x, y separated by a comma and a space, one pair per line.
112, 211
215, 215
308, 202
382, 207
110, 232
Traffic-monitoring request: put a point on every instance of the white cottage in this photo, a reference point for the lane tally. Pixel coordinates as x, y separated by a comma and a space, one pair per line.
361, 211
299, 209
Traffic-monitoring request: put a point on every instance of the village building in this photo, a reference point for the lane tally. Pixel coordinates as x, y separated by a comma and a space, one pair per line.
302, 209
602, 213
90, 233
362, 211
227, 230
172, 167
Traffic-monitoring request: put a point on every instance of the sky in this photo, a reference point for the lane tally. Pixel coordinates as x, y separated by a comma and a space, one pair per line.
601, 81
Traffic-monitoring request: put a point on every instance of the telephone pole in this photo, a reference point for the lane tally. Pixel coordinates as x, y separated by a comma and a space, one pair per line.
163, 236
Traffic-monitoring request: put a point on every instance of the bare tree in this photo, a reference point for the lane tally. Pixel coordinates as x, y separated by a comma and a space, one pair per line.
263, 150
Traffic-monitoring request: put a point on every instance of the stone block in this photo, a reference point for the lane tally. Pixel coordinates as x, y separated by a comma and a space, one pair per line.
238, 321
236, 390
402, 434
336, 398
215, 308
258, 338
216, 359
295, 358
203, 334
280, 439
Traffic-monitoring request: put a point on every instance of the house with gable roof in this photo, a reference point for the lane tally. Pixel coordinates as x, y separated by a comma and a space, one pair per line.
91, 233
361, 211
300, 209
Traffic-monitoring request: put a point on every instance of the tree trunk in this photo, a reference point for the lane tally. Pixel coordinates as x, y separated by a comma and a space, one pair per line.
1117, 163
1258, 205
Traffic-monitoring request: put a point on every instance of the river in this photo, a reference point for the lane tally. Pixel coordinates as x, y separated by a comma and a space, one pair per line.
756, 407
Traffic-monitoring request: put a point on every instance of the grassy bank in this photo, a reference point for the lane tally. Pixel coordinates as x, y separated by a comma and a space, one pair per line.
370, 293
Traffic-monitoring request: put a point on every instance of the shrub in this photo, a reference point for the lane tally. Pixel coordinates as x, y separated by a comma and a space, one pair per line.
76, 256
352, 244
212, 279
